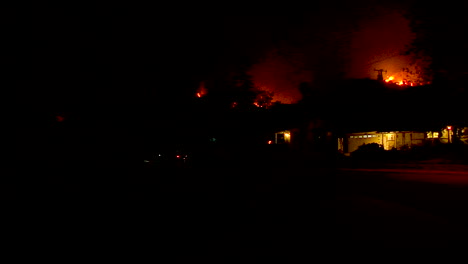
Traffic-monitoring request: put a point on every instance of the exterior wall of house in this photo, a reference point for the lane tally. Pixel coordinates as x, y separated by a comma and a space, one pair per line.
354, 140
448, 135
310, 137
283, 137
417, 139
463, 135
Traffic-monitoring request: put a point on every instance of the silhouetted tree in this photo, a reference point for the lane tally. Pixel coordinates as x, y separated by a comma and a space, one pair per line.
441, 36
264, 98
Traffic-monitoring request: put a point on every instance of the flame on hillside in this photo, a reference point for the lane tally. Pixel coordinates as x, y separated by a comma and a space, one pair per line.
406, 78
201, 91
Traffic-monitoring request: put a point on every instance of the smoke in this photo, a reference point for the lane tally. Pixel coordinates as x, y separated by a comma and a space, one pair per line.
380, 43
336, 43
281, 74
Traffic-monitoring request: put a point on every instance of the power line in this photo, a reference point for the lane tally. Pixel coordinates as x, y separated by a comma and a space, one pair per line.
379, 74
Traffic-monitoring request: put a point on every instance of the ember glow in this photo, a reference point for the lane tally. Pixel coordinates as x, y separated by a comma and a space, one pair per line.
201, 91
409, 76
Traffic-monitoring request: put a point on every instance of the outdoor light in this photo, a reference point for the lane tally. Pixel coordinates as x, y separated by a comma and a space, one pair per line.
449, 127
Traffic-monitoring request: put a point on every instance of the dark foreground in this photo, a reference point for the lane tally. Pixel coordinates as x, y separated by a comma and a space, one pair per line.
272, 205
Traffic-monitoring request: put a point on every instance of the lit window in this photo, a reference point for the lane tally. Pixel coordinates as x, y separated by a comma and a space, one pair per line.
436, 134
351, 136
360, 136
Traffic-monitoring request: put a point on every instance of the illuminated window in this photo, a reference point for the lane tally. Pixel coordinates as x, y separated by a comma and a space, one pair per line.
435, 134
360, 136
351, 136
365, 136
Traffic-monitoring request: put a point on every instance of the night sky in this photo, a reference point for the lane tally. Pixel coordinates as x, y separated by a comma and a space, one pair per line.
146, 55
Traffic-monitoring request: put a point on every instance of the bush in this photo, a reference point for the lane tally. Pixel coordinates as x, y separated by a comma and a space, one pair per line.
370, 151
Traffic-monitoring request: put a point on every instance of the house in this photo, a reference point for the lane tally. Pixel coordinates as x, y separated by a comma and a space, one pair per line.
401, 139
388, 140
310, 136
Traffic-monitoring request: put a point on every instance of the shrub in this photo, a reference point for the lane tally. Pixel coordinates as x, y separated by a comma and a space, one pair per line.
371, 151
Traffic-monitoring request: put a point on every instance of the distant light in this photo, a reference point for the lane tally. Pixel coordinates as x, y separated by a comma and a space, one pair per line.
178, 156
198, 94
146, 160
449, 127
269, 141
287, 135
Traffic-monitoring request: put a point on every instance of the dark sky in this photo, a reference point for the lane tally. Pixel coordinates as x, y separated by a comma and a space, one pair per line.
127, 56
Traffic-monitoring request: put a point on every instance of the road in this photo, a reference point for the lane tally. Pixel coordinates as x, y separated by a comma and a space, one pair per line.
407, 208
277, 208
339, 208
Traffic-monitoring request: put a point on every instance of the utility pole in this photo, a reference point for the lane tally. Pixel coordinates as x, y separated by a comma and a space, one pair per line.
379, 74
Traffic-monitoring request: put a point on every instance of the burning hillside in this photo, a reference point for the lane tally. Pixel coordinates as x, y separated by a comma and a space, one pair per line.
411, 76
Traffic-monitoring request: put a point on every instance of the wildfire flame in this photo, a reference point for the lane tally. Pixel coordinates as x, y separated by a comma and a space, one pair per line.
391, 79
201, 91
410, 76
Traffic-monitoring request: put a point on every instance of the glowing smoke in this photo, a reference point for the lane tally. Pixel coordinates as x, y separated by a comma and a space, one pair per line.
380, 44
280, 75
375, 40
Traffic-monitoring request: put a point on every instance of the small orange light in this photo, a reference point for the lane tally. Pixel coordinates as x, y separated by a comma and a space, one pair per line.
449, 127
269, 141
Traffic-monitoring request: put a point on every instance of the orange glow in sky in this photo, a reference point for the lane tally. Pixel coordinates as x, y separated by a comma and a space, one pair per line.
280, 75
378, 43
